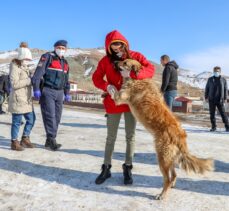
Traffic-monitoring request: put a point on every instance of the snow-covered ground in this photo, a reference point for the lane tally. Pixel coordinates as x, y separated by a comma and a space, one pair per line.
39, 179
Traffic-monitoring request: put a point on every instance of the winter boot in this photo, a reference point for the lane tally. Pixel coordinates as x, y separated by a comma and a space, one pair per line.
227, 128
213, 129
128, 180
105, 174
25, 142
15, 145
47, 143
51, 143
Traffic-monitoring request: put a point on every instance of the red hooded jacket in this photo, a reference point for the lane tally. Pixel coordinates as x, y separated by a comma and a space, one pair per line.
113, 77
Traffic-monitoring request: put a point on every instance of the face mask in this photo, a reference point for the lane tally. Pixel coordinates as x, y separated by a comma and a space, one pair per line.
119, 54
60, 52
216, 74
26, 62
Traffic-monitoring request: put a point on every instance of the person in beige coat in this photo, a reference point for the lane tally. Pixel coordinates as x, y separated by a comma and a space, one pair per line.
20, 99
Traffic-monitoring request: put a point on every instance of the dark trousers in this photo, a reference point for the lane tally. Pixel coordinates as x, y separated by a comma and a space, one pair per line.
2, 98
221, 108
51, 108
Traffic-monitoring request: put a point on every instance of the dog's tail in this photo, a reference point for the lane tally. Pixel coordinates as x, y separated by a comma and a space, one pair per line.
191, 163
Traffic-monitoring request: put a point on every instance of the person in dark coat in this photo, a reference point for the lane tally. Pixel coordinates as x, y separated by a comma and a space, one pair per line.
4, 90
169, 80
216, 95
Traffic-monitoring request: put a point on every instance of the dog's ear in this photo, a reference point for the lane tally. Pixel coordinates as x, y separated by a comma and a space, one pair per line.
133, 67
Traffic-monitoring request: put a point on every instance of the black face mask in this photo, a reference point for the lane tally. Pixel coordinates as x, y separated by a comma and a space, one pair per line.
115, 57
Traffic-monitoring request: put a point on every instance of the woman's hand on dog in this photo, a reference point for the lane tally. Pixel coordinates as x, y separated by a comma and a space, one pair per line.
111, 89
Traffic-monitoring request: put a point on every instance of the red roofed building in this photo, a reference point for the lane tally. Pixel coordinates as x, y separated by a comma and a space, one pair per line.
182, 104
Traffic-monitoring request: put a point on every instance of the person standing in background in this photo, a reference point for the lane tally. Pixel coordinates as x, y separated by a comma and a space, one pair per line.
20, 99
216, 95
4, 90
53, 73
169, 80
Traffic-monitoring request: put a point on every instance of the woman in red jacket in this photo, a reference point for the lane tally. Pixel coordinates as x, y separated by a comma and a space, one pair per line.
107, 77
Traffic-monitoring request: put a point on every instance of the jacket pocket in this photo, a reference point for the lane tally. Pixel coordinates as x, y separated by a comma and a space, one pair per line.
21, 96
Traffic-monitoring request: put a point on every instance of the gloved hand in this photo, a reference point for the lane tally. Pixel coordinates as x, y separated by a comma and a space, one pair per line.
111, 90
37, 94
67, 98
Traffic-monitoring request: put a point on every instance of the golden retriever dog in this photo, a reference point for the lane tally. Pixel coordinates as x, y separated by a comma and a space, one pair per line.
148, 106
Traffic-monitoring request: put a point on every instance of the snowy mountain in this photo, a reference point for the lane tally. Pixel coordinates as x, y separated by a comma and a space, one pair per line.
85, 57
192, 79
83, 63
195, 80
8, 54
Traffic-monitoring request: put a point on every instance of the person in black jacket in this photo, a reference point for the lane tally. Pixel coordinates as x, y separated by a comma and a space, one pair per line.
216, 95
169, 80
4, 90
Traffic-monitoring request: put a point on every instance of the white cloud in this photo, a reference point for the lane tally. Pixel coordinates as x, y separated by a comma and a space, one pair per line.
206, 59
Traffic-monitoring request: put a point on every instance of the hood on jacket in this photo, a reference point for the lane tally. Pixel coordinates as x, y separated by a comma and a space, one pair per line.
174, 64
115, 36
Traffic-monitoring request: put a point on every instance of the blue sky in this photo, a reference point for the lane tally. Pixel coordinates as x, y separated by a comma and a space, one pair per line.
195, 33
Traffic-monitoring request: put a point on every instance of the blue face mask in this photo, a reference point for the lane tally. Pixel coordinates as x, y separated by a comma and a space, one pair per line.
216, 74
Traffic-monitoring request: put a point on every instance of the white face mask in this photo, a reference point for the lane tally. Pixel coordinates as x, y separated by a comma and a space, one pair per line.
216, 74
119, 54
60, 52
26, 62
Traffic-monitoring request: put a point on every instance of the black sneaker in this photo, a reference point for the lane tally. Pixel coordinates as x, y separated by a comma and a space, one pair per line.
227, 129
105, 174
213, 129
128, 180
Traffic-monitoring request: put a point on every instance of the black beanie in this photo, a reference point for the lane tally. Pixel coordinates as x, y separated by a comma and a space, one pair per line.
61, 43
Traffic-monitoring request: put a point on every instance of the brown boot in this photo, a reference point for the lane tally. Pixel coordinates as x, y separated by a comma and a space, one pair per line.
15, 145
25, 142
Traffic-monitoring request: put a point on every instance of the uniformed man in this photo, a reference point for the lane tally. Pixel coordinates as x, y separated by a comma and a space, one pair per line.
50, 85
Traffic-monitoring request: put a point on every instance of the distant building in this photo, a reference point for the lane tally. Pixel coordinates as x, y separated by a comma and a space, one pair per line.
182, 104
73, 86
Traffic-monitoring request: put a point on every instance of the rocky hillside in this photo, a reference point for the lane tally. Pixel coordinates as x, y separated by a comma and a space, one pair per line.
83, 63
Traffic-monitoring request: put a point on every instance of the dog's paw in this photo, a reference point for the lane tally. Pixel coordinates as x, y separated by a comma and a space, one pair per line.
173, 185
159, 197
